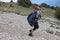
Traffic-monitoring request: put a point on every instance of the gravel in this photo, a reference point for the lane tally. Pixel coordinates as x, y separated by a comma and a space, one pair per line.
16, 27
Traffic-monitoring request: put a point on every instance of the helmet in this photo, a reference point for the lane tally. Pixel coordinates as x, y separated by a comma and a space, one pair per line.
37, 7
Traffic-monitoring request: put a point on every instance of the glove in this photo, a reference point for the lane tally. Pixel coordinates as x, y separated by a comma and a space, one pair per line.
40, 16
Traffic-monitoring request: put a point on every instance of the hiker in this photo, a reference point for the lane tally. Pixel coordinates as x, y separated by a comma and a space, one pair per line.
33, 19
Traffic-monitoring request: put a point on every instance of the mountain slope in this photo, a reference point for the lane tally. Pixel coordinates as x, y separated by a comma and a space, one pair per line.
16, 27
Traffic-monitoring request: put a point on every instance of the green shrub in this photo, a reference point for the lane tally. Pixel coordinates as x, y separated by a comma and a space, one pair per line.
22, 3
45, 5
52, 7
57, 13
11, 1
1, 3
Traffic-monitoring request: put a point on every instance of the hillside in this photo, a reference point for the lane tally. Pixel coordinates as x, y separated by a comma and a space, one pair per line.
13, 7
16, 27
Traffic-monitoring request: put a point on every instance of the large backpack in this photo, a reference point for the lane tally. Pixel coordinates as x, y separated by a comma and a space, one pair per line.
32, 16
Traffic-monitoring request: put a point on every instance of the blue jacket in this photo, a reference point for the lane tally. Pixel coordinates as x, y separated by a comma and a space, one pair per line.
32, 16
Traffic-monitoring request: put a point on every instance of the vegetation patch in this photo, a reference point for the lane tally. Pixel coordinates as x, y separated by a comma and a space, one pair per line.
57, 13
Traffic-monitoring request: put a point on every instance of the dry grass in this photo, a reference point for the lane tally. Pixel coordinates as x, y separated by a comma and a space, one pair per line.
47, 12
15, 8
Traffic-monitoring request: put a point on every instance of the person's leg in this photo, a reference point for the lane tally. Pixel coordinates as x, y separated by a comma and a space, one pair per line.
31, 24
31, 32
36, 26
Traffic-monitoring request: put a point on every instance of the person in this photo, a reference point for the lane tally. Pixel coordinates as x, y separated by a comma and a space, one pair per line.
33, 19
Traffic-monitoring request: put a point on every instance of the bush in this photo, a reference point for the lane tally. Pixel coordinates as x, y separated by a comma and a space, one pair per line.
23, 3
52, 7
45, 5
1, 3
57, 13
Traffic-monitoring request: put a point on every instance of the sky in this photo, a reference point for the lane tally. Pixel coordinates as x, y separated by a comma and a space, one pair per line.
49, 2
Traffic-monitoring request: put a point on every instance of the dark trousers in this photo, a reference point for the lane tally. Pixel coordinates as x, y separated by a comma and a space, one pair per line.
34, 24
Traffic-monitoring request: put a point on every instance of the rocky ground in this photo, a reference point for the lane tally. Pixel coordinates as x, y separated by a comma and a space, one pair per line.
16, 27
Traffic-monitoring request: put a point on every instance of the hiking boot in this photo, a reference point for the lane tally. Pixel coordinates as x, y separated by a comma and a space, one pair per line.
30, 31
30, 34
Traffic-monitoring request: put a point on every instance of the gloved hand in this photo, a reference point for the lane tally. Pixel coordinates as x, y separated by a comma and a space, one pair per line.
36, 19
